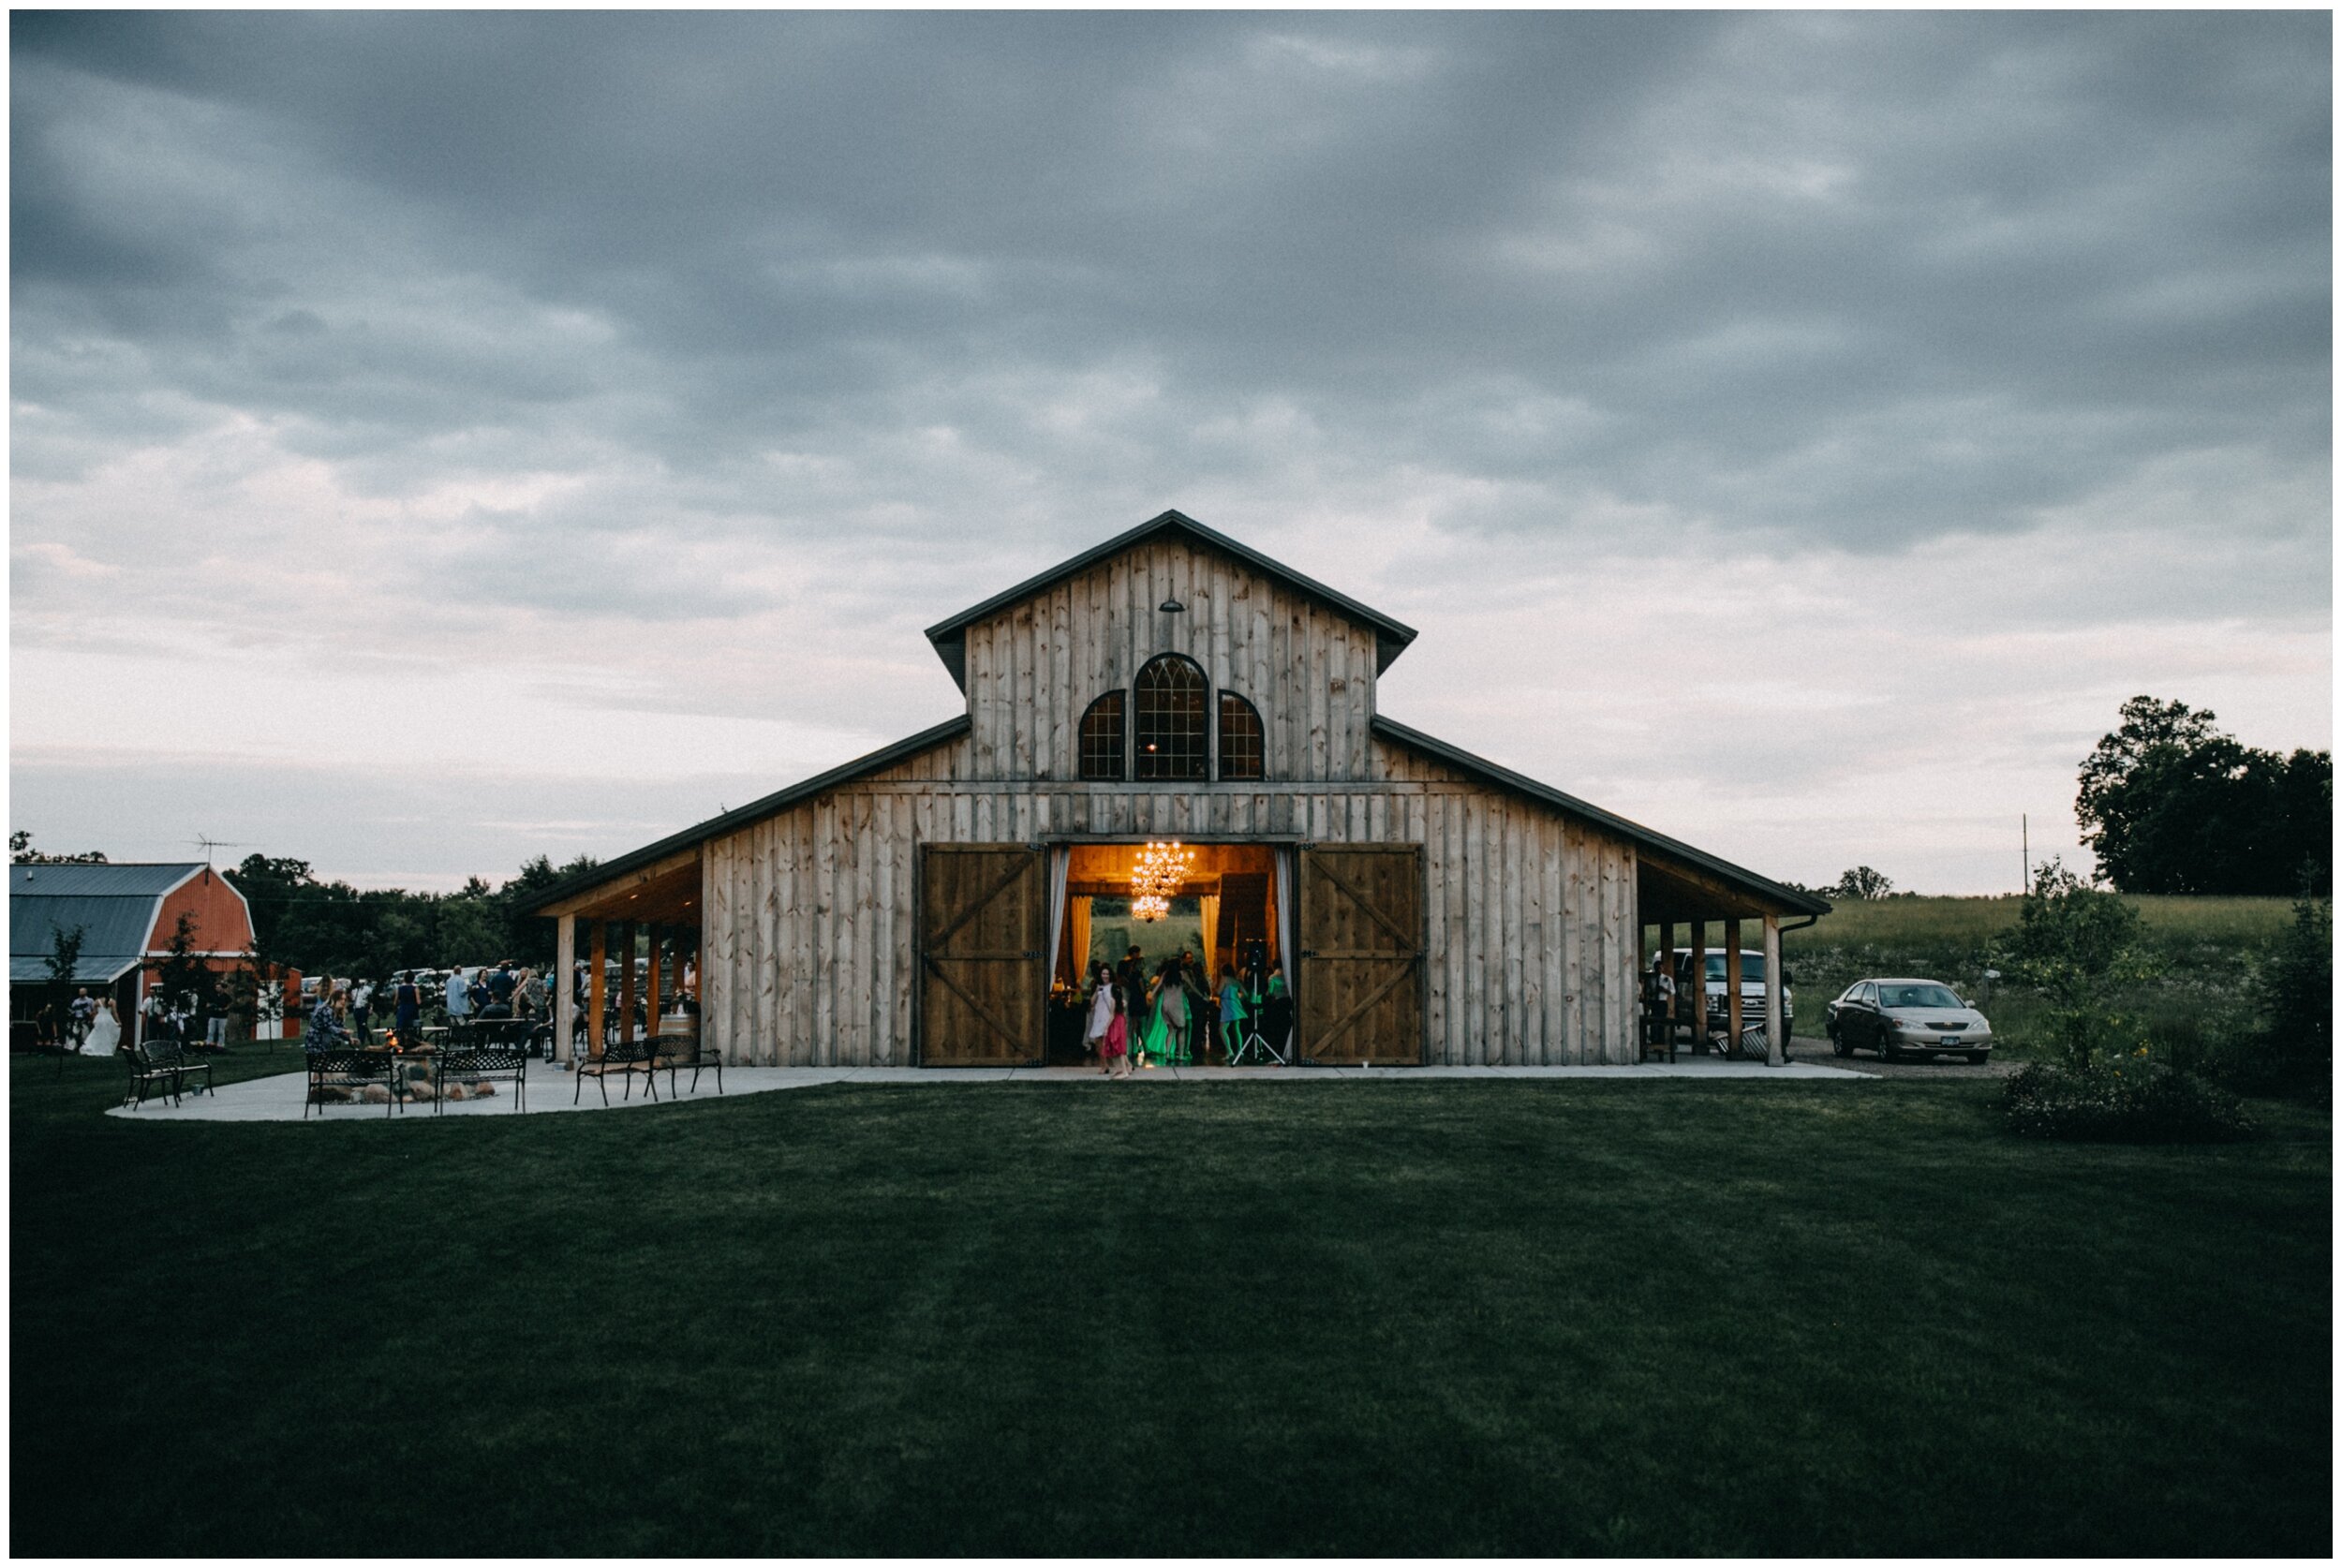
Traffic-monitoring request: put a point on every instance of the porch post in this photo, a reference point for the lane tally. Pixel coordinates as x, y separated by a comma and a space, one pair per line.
1695, 993
1732, 983
1776, 1038
564, 998
1667, 951
655, 959
626, 978
594, 991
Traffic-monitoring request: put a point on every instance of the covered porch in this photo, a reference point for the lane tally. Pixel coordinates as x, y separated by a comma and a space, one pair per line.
637, 939
1680, 906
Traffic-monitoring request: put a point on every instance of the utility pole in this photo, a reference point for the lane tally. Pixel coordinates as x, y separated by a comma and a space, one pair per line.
2024, 839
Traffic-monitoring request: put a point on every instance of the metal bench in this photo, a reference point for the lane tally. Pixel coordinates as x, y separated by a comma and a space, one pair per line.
356, 1070
473, 1064
162, 1065
625, 1057
676, 1052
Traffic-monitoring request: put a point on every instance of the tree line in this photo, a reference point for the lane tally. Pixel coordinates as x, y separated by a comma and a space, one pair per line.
323, 926
2170, 804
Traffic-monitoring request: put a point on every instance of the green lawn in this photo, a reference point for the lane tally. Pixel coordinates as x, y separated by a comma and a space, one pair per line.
1361, 1318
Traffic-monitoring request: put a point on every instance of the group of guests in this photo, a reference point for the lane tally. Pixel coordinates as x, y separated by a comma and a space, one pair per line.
89, 1024
1171, 1018
347, 1011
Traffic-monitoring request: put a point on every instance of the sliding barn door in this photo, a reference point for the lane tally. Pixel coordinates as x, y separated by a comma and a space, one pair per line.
1361, 939
984, 924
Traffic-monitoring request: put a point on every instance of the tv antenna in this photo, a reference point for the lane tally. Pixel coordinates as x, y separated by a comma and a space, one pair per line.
210, 844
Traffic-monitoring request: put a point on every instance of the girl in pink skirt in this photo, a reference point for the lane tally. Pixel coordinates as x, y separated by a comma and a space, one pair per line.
1115, 1047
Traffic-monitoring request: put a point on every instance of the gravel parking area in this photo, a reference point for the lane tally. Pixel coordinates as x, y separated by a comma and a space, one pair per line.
1803, 1048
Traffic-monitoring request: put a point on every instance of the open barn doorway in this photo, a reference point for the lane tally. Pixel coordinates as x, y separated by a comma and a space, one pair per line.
1222, 922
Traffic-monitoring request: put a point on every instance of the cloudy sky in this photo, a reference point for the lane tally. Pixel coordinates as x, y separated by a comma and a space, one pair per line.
443, 439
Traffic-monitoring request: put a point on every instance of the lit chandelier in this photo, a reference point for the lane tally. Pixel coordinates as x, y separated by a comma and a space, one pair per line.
1161, 871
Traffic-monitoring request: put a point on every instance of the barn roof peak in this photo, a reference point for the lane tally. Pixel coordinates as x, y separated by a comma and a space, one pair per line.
950, 636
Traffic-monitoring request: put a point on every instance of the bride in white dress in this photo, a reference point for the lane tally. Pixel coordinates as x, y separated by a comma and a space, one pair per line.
105, 1031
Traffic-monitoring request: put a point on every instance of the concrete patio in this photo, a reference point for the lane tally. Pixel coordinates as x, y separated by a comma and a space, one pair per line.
550, 1089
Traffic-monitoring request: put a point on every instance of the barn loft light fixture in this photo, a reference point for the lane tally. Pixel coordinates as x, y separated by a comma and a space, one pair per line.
1160, 871
1172, 607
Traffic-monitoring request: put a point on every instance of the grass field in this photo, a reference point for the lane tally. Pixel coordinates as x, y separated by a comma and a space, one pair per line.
1362, 1318
2207, 948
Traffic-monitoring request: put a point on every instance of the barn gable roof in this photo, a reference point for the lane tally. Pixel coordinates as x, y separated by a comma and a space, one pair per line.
950, 636
114, 905
1659, 843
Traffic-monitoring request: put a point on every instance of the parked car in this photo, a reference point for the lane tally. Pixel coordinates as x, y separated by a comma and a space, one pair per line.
1752, 989
1919, 1017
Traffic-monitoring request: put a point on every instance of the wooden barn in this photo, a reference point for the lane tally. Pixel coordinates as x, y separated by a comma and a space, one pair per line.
917, 907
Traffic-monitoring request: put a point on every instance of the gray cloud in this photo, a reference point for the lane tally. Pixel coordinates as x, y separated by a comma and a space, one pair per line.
815, 326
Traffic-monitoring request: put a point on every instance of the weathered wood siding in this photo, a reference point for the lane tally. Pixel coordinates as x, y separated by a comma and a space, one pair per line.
1530, 924
1032, 670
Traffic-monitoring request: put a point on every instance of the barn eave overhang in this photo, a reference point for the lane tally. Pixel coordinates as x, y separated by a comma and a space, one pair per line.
1700, 866
569, 890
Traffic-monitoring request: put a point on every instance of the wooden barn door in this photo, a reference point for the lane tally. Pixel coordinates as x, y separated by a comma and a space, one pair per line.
984, 924
1361, 937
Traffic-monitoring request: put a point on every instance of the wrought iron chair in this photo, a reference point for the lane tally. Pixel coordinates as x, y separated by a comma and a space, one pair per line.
340, 1067
162, 1065
625, 1057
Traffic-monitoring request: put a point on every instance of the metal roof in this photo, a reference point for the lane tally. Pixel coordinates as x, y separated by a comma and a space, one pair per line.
950, 636
1672, 848
755, 810
147, 879
92, 969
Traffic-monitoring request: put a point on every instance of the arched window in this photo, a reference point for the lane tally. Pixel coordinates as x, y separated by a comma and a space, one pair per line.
1102, 738
1240, 747
1173, 739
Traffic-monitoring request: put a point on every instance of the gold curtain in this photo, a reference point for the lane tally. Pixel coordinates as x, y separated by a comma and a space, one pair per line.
1077, 932
1210, 906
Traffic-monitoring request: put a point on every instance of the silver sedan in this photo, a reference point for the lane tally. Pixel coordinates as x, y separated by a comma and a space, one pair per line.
1899, 1017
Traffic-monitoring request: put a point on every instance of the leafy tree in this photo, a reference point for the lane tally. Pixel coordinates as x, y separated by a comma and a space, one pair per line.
183, 975
330, 928
2171, 805
2077, 945
21, 852
1862, 884
65, 956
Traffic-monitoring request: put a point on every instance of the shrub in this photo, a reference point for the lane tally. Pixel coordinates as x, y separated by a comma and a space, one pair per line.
2132, 1101
2297, 989
2077, 946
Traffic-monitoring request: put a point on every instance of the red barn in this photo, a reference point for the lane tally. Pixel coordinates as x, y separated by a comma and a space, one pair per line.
127, 914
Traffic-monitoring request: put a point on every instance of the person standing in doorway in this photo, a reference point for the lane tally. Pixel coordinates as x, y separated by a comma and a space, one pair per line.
1231, 1014
1116, 1044
1102, 1011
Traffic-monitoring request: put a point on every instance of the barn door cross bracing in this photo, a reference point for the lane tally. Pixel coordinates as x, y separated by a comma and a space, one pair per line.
983, 923
1361, 981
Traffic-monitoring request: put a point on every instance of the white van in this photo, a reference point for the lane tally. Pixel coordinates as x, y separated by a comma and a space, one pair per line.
1752, 989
